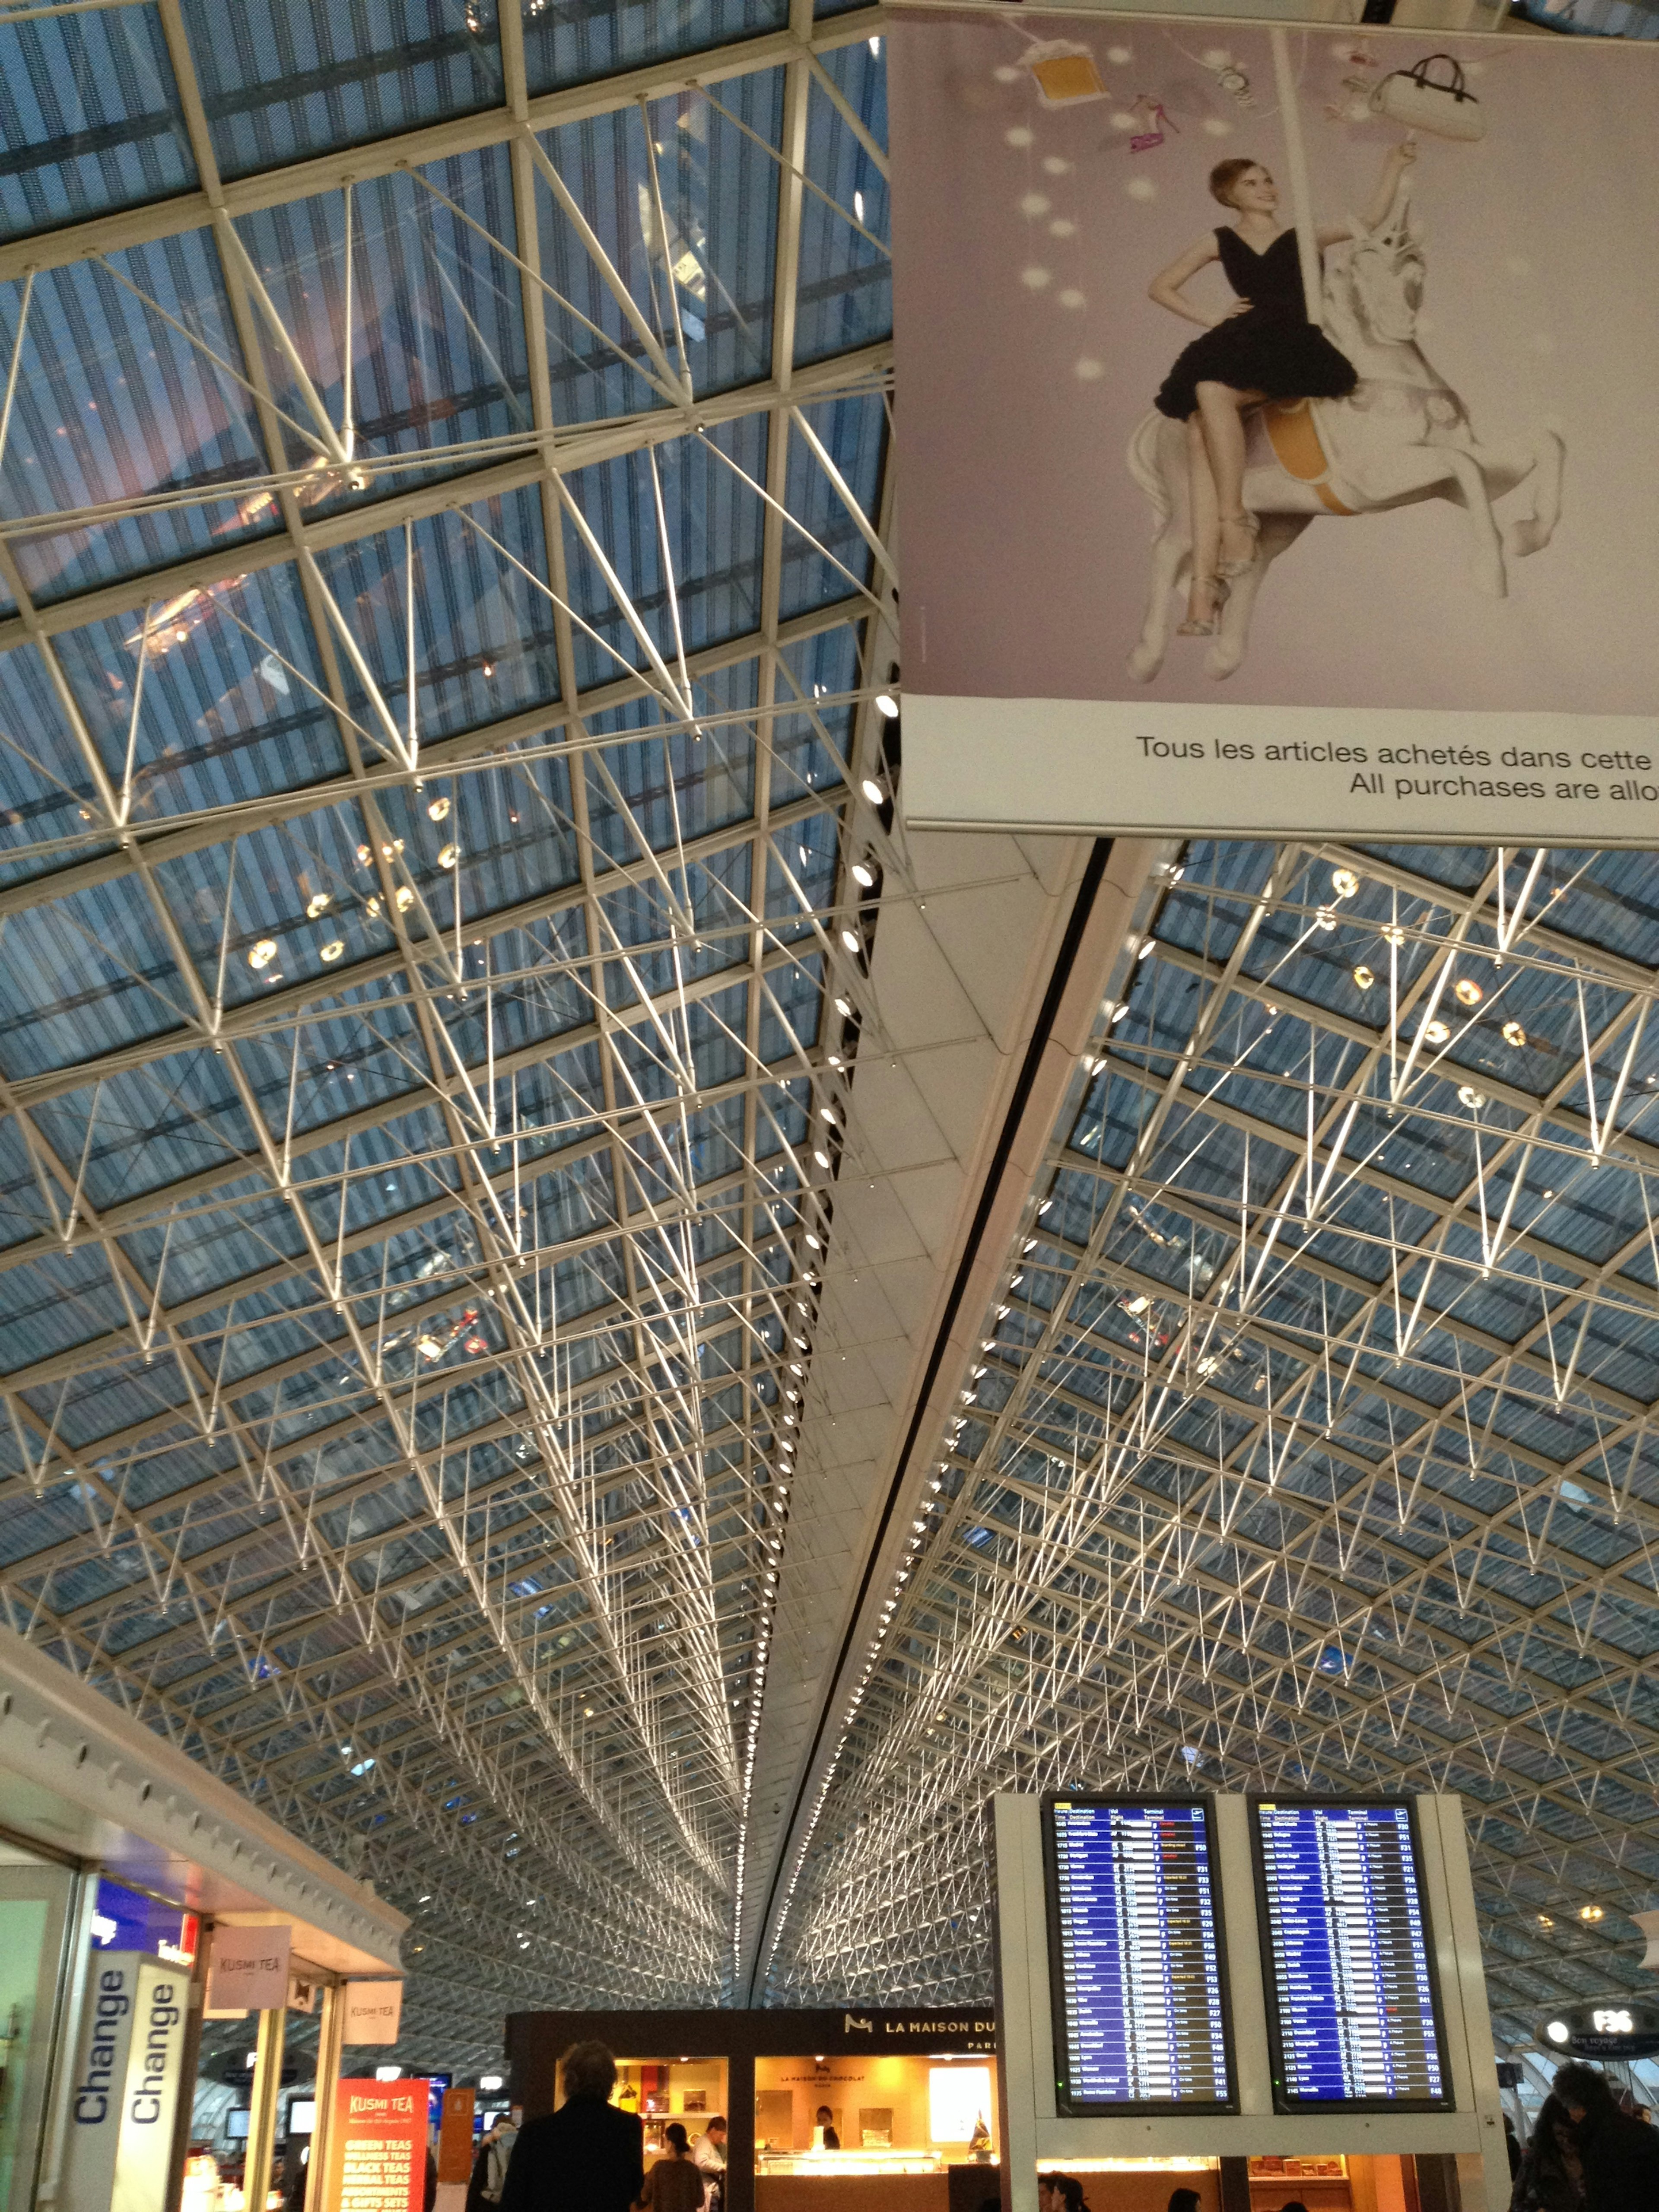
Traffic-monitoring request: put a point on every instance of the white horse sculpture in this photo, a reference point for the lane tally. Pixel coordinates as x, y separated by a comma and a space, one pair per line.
1402, 435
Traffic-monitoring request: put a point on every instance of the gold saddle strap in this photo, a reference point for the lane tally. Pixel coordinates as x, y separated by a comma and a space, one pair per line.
1294, 436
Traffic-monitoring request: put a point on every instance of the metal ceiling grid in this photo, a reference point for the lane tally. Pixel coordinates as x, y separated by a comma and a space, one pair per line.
438, 457
1310, 1444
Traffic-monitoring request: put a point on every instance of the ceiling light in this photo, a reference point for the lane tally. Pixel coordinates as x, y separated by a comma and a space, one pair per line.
1324, 919
262, 953
1559, 2032
1590, 1912
316, 904
438, 811
849, 938
863, 873
1435, 1032
1513, 1034
886, 704
1469, 1095
333, 948
1467, 992
1364, 977
1344, 882
404, 897
843, 1007
822, 1158
872, 790
1146, 949
446, 856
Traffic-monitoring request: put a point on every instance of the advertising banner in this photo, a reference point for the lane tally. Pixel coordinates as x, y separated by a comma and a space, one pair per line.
126, 2091
377, 2148
455, 2136
1176, 555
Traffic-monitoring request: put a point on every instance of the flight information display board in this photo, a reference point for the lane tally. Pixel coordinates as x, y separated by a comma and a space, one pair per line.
1136, 1956
1353, 2014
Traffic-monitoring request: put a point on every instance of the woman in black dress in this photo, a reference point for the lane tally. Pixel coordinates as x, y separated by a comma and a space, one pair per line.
1260, 347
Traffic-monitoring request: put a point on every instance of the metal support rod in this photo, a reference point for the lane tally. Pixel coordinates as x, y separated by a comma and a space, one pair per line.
261, 2115
331, 2029
1296, 162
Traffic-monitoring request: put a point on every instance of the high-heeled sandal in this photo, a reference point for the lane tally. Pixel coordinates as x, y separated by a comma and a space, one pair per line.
1252, 523
1220, 593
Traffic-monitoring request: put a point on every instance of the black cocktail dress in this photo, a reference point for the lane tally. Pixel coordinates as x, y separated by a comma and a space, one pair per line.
1272, 348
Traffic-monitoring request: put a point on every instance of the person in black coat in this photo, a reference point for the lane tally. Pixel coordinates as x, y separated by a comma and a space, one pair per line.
1620, 2157
587, 2156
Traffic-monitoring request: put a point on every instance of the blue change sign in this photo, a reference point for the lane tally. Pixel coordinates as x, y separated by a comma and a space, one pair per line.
126, 1920
1352, 2016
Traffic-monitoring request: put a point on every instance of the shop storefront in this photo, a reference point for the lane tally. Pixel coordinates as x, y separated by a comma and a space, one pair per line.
851, 2110
122, 1864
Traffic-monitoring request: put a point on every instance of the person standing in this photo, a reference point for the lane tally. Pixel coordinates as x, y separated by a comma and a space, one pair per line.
1619, 2157
823, 2129
710, 2153
585, 2157
1551, 2178
674, 2184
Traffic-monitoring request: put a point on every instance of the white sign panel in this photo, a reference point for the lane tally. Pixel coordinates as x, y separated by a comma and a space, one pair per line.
150, 2100
100, 2074
373, 2011
250, 1969
125, 2093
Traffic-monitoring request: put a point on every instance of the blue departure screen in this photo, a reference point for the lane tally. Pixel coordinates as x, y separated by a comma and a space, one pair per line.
1140, 2015
1350, 1974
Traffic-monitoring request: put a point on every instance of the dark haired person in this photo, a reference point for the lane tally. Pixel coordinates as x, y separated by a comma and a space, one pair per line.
1550, 2177
674, 2184
1260, 347
824, 2128
1619, 2155
585, 2157
1060, 2193
1183, 2200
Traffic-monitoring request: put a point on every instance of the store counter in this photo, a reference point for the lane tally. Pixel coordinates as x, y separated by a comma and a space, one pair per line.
851, 2181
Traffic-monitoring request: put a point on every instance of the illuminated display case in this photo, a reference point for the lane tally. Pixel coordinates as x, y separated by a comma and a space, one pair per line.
909, 2097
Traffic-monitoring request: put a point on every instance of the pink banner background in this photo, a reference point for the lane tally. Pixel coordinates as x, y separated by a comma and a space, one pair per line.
1025, 543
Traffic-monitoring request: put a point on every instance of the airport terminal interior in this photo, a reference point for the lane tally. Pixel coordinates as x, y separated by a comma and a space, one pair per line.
647, 1402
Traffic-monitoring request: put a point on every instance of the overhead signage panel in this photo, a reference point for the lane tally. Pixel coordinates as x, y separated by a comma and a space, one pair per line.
1137, 1971
1353, 2016
1419, 522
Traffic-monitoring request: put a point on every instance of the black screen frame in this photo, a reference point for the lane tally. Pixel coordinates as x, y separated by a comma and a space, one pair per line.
1282, 2102
1067, 2104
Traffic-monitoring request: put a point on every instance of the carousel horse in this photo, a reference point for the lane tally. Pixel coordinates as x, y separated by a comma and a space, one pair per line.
1402, 435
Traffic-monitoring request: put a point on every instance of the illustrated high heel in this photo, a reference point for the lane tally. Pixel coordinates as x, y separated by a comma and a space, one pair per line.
1252, 523
1219, 595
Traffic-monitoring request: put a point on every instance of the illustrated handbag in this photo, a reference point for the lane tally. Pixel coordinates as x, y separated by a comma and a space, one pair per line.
1065, 72
1442, 105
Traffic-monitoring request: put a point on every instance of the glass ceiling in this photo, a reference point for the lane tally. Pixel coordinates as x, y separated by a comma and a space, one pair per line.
436, 482
1311, 1445
444, 500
